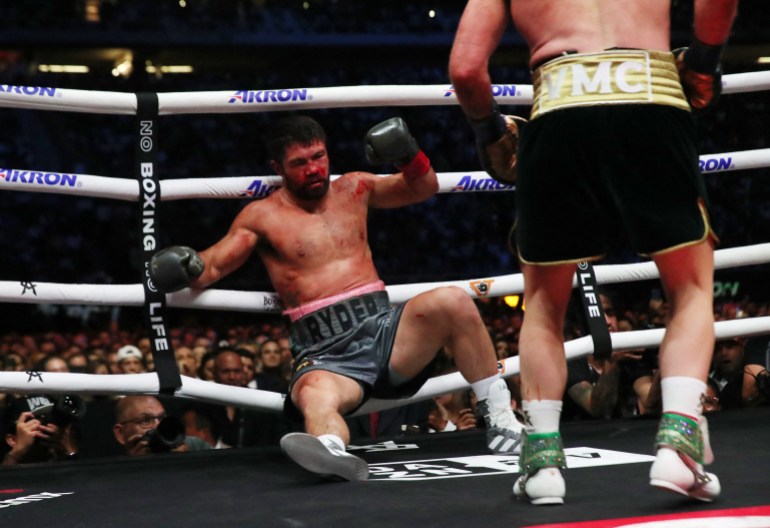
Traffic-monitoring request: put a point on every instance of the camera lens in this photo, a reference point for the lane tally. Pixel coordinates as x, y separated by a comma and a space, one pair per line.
167, 436
67, 408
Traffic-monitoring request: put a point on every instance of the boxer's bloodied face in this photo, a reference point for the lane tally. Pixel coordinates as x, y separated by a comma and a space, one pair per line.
305, 170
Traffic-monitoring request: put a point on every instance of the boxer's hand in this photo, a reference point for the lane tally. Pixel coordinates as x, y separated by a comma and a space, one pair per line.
497, 142
173, 268
391, 142
701, 73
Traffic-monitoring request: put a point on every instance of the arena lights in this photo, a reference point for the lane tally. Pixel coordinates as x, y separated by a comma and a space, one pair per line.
513, 301
63, 68
124, 67
93, 11
180, 68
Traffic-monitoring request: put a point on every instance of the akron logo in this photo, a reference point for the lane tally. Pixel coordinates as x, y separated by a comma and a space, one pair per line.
481, 287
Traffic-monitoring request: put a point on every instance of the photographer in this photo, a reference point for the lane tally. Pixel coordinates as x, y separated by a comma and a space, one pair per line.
756, 378
39, 429
740, 370
141, 427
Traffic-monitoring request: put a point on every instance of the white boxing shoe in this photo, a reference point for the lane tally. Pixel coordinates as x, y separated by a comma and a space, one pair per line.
504, 431
544, 487
324, 458
674, 471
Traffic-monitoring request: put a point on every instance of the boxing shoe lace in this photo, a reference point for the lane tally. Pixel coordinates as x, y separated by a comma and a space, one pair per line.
504, 432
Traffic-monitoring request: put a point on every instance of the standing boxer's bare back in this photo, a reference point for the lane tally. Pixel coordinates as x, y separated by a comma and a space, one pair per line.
589, 26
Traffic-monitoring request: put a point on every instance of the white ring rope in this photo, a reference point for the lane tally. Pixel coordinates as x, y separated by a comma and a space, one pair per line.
88, 101
62, 383
260, 186
269, 302
241, 101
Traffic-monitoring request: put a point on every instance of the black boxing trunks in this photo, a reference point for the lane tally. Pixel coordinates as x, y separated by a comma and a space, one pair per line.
353, 337
611, 147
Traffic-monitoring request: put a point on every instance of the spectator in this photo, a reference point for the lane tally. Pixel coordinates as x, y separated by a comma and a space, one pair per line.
77, 362
206, 369
113, 363
607, 388
274, 374
502, 348
452, 412
231, 426
130, 360
186, 360
249, 366
55, 364
142, 427
756, 377
13, 362
34, 436
228, 368
728, 372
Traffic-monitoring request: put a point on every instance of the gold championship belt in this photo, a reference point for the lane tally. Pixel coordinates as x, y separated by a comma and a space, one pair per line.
609, 77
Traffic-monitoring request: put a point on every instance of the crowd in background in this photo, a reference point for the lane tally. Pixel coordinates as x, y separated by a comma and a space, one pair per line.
460, 236
258, 356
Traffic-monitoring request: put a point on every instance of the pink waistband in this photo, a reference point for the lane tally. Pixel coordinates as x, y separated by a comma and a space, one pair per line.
303, 309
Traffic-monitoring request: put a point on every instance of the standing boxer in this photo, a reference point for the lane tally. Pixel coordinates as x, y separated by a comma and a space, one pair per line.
348, 342
607, 91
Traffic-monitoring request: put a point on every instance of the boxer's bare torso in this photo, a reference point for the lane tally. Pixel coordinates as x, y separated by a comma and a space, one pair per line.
313, 244
589, 26
317, 253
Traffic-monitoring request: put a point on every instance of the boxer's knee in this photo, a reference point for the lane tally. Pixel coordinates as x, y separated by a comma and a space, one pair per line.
458, 305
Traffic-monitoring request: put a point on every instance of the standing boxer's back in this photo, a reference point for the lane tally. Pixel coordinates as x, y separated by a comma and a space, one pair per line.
591, 25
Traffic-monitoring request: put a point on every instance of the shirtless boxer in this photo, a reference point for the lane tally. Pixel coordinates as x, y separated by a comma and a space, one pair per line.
348, 342
607, 91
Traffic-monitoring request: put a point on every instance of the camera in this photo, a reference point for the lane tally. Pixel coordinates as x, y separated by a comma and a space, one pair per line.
167, 436
62, 412
763, 383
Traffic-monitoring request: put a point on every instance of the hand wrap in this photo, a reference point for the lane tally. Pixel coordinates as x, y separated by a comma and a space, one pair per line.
701, 73
497, 142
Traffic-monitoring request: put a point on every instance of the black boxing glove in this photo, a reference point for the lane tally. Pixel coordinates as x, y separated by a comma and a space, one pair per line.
700, 71
391, 142
497, 143
174, 268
